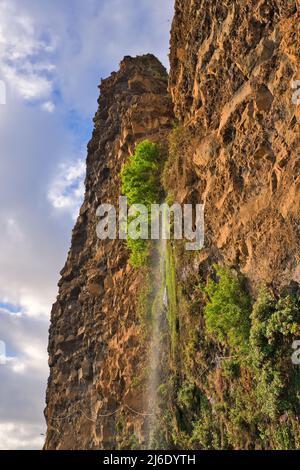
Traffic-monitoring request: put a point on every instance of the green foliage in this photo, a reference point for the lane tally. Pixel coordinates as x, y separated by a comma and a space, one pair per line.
231, 368
139, 252
274, 325
199, 429
186, 395
238, 388
141, 184
206, 432
285, 321
141, 175
228, 308
262, 310
172, 297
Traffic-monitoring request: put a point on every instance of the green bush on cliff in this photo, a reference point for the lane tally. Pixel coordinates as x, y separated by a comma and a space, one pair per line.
227, 312
139, 252
235, 378
141, 175
275, 324
141, 184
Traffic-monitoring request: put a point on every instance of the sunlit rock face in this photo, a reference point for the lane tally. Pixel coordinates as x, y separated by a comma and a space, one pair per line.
95, 346
233, 86
233, 69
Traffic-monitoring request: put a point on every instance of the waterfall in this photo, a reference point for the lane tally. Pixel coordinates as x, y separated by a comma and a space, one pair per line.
157, 346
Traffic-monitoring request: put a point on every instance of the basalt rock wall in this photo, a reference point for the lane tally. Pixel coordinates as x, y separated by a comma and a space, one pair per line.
95, 345
233, 80
233, 68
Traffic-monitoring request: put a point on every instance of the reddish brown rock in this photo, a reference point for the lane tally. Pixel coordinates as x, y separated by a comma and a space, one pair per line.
232, 64
95, 343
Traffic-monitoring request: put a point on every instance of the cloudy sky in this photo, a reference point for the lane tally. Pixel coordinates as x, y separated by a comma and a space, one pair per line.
53, 54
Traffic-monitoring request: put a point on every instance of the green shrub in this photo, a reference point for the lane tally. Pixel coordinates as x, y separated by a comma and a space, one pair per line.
141, 184
274, 326
172, 297
285, 321
252, 395
263, 309
206, 432
274, 323
139, 252
231, 368
186, 395
269, 387
227, 312
141, 175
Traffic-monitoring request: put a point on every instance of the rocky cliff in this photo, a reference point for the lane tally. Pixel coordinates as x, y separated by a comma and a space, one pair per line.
95, 343
232, 68
234, 307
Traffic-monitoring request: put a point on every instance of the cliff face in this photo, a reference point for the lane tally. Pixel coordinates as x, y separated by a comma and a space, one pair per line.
95, 342
236, 149
232, 68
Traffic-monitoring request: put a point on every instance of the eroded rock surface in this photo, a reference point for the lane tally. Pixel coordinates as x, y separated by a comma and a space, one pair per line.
233, 64
95, 343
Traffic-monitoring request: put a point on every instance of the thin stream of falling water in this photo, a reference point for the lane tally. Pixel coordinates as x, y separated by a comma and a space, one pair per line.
156, 348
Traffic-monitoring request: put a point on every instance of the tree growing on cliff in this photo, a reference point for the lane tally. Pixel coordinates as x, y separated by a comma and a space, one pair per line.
227, 312
141, 184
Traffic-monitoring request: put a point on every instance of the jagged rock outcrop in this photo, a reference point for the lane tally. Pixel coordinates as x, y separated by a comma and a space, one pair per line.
232, 68
236, 149
95, 343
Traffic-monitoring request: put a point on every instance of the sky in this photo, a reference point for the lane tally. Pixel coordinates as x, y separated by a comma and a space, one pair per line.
53, 54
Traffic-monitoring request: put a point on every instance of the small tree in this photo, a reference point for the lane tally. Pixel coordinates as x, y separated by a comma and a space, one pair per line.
141, 184
227, 312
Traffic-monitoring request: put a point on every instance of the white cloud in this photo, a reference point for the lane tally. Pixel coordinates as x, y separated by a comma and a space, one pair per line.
29, 85
22, 67
16, 365
23, 345
31, 305
52, 56
14, 231
23, 379
48, 106
67, 190
21, 437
